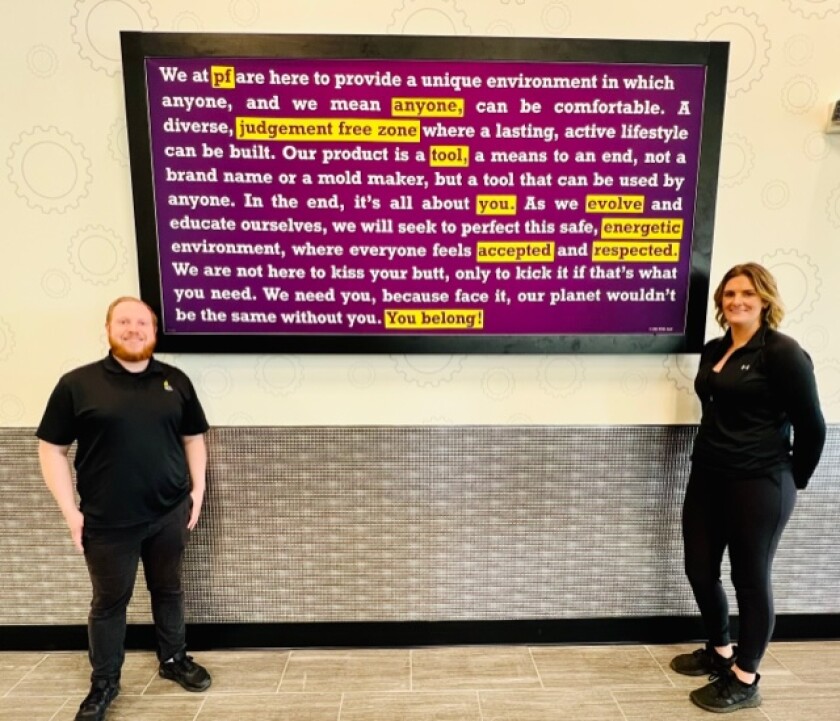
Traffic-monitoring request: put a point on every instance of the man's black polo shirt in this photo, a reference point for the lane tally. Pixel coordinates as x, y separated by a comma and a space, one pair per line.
130, 462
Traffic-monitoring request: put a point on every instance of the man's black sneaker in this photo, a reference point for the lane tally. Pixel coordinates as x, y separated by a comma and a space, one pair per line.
96, 703
726, 693
184, 671
703, 662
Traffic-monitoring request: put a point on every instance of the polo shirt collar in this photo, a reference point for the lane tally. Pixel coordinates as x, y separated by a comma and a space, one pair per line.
112, 365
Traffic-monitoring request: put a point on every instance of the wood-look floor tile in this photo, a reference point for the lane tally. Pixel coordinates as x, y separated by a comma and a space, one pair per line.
549, 705
31, 709
815, 662
15, 665
347, 670
68, 674
610, 666
128, 707
232, 672
806, 701
411, 706
276, 707
670, 705
473, 667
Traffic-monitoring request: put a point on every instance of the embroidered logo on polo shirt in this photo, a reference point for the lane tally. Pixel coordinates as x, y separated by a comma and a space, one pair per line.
745, 367
167, 387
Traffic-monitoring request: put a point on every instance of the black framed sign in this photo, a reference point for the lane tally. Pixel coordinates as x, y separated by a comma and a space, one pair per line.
364, 194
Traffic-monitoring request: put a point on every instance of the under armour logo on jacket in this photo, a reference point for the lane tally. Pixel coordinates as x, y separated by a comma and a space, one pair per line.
745, 367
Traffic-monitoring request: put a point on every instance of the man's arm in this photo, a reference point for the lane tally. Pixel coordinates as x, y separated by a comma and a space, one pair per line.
55, 467
195, 451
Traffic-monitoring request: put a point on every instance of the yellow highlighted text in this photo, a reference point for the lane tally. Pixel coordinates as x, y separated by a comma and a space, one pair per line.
434, 318
630, 252
328, 129
495, 204
223, 76
517, 251
615, 203
449, 156
427, 107
665, 228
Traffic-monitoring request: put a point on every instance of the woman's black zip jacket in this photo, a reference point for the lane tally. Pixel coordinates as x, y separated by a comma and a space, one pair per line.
765, 388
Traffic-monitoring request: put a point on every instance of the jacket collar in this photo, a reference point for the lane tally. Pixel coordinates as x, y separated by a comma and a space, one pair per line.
758, 340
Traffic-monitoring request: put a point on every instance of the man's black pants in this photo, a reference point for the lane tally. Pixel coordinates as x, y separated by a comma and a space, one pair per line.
112, 556
747, 515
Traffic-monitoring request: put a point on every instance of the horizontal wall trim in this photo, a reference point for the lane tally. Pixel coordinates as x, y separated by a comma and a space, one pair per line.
583, 631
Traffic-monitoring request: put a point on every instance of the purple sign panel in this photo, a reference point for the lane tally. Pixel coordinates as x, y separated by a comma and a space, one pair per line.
423, 197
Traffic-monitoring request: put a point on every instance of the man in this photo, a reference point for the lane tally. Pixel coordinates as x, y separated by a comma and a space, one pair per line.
140, 470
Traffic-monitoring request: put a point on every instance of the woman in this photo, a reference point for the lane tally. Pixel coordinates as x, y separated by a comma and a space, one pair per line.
755, 384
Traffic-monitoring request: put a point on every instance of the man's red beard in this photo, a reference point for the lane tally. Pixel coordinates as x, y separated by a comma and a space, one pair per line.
121, 352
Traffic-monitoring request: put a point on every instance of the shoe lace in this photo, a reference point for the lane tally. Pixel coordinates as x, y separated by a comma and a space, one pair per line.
701, 654
184, 663
97, 695
723, 682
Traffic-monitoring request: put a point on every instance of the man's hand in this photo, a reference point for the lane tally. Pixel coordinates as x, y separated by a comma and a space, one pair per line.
76, 522
197, 501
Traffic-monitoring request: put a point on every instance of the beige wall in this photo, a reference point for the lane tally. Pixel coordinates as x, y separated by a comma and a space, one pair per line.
67, 247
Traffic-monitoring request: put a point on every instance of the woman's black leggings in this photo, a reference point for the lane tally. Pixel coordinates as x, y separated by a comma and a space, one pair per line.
748, 515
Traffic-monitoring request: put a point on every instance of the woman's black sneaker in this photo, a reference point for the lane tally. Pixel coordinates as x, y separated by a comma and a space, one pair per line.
726, 693
702, 662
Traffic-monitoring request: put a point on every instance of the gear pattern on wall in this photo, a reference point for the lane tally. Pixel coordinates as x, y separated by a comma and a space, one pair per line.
815, 339
418, 17
435, 421
42, 61
7, 340
561, 376
827, 371
799, 94
215, 381
814, 9
97, 255
428, 370
749, 49
799, 49
832, 207
244, 12
633, 383
96, 25
680, 371
187, 22
798, 279
55, 283
498, 384
815, 146
69, 364
556, 17
500, 28
737, 160
775, 194
49, 169
118, 142
361, 376
520, 419
280, 375
12, 408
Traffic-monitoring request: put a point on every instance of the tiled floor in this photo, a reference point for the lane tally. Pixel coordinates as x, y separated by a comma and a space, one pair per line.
800, 682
